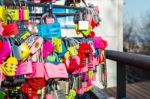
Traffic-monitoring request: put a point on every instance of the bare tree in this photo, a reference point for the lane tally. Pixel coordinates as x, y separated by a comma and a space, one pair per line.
137, 35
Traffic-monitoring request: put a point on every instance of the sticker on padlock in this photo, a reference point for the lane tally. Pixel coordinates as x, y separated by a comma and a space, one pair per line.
36, 45
83, 25
25, 35
49, 20
30, 40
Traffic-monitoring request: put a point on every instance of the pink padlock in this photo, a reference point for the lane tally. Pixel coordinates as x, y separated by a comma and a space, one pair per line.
89, 83
94, 77
21, 14
49, 96
80, 91
84, 86
48, 48
1, 28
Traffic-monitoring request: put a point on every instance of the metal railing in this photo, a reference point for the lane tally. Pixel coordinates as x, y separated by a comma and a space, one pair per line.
123, 59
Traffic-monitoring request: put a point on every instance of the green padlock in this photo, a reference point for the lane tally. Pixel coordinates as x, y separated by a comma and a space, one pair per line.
72, 94
52, 58
25, 35
87, 32
2, 95
90, 74
13, 14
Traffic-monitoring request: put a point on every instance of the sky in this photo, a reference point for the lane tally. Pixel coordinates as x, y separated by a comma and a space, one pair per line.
136, 8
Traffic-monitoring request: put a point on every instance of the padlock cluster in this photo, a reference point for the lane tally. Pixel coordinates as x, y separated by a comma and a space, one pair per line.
36, 62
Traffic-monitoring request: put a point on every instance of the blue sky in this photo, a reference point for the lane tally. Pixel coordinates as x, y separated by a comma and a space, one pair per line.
136, 8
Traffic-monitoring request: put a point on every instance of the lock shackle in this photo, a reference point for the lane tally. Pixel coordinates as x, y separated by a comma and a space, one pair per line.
14, 2
20, 3
2, 2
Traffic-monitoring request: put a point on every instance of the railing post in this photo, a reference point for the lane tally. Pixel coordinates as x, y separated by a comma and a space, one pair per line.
121, 81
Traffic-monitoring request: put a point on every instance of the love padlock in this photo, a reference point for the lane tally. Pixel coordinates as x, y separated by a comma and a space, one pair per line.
21, 14
26, 14
13, 14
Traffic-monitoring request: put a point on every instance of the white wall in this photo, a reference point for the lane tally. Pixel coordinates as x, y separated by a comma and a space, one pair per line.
110, 29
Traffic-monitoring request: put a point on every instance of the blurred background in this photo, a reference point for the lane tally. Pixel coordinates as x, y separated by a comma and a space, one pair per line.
136, 34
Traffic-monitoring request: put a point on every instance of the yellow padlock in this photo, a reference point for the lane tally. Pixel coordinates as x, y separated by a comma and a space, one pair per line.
89, 88
90, 74
9, 67
72, 50
13, 14
67, 55
24, 51
2, 14
26, 14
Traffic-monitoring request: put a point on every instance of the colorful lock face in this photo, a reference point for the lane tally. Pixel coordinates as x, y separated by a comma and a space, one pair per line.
9, 67
13, 14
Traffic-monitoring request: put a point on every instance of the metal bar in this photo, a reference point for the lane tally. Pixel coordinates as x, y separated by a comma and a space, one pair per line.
135, 60
121, 81
16, 82
54, 6
31, 4
57, 14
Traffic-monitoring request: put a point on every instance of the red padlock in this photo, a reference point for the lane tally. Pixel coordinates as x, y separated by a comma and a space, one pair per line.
82, 60
37, 83
91, 35
93, 24
10, 30
1, 44
28, 91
